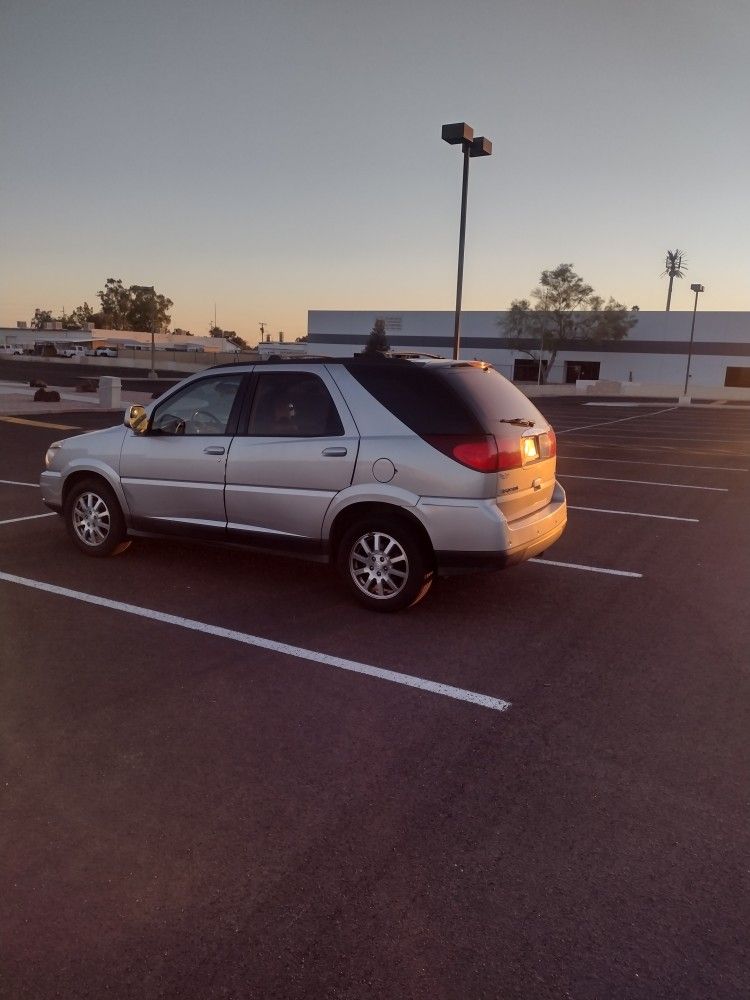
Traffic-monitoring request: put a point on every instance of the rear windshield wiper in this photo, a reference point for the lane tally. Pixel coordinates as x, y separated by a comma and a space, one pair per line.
517, 421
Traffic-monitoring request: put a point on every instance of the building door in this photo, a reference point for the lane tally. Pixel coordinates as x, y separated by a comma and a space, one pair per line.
525, 370
581, 369
737, 378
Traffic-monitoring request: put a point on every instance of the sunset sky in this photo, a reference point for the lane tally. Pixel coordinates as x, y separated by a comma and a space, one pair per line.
273, 156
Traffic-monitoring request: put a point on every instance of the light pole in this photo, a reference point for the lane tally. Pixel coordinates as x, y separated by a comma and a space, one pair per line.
697, 289
454, 134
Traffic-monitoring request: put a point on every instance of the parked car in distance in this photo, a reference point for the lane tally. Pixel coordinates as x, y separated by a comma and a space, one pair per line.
74, 351
13, 349
102, 352
392, 470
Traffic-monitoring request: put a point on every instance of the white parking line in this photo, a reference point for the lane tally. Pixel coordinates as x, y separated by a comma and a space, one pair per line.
29, 517
446, 690
12, 482
588, 569
666, 435
633, 513
619, 420
645, 482
652, 449
637, 461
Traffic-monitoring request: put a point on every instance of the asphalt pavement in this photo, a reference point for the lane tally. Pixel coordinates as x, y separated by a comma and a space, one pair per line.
207, 791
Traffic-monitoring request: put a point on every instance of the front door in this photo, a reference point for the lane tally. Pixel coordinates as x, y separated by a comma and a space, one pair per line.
173, 475
296, 453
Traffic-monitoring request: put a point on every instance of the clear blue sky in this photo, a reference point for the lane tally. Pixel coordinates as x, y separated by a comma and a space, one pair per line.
273, 156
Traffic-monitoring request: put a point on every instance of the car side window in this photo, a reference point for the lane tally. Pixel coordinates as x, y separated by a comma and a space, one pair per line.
293, 404
200, 408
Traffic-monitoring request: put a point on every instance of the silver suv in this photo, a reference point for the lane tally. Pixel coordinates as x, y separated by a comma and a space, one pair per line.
390, 469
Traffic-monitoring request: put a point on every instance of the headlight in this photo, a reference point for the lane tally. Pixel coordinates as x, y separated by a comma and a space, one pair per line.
51, 451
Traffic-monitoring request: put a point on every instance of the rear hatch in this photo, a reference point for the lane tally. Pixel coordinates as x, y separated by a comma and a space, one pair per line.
526, 443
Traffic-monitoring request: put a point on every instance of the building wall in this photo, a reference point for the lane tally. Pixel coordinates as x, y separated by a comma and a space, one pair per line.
655, 350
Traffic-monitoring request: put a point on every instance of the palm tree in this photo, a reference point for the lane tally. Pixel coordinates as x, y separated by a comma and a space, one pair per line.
675, 268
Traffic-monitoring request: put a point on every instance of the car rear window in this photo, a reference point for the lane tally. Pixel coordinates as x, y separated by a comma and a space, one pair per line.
490, 396
418, 398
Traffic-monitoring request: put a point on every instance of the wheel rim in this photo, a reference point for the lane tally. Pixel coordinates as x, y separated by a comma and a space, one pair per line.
92, 520
379, 565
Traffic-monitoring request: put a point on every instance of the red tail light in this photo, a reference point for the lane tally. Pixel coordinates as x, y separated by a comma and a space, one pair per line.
509, 455
548, 444
481, 452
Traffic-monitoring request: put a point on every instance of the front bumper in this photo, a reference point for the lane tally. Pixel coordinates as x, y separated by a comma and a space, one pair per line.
50, 489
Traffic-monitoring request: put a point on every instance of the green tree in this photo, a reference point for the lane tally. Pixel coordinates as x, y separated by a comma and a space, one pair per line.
115, 300
377, 342
563, 310
138, 307
40, 317
79, 317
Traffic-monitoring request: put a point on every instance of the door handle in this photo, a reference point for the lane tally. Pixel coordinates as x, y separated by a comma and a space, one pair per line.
213, 449
334, 452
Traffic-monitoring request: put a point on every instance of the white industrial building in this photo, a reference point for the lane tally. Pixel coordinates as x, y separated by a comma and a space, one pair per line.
654, 353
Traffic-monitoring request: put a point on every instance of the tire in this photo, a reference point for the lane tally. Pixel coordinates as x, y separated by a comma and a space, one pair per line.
93, 518
383, 564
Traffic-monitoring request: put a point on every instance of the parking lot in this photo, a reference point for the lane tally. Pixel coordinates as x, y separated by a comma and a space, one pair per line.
221, 778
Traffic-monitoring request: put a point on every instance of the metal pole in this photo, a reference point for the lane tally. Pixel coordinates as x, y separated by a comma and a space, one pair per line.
539, 370
461, 240
690, 346
152, 373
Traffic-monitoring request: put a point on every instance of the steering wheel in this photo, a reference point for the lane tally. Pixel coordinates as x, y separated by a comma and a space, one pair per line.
205, 422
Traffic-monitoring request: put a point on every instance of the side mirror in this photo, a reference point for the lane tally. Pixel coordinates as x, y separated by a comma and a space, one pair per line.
136, 418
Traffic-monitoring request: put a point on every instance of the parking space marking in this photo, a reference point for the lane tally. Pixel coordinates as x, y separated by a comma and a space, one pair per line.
633, 513
637, 461
668, 435
652, 449
587, 569
645, 482
39, 423
13, 482
421, 683
619, 420
29, 517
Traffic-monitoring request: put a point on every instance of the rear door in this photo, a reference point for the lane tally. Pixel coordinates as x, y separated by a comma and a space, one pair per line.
296, 451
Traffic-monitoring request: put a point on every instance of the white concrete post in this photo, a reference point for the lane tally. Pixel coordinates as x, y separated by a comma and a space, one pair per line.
110, 392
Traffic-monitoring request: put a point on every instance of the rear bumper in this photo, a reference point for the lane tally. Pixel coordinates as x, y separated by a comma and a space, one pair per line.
497, 543
532, 535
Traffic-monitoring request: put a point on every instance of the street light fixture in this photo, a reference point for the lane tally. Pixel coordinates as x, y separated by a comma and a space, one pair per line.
463, 134
697, 289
